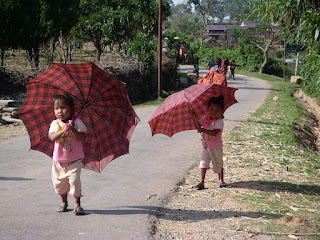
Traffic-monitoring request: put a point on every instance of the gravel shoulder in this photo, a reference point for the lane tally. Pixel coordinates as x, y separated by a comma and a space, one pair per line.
12, 130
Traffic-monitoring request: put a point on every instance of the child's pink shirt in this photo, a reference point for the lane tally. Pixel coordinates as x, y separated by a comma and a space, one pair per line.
212, 124
67, 148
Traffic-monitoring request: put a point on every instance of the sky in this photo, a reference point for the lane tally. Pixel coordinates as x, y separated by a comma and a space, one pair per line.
177, 1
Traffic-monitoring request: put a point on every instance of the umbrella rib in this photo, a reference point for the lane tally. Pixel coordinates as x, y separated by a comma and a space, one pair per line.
97, 96
96, 112
73, 82
95, 137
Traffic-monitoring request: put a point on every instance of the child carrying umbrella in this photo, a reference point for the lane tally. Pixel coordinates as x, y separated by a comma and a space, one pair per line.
211, 126
68, 135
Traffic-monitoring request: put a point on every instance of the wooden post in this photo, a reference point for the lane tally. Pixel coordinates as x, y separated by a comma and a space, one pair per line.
159, 48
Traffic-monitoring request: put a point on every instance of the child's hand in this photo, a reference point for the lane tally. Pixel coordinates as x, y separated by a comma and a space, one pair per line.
71, 125
199, 128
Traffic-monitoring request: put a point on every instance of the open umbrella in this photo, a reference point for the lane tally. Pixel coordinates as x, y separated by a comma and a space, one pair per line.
174, 116
101, 102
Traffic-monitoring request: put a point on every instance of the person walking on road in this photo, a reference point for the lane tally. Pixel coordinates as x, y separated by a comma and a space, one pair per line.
211, 126
219, 76
232, 68
68, 135
211, 63
216, 75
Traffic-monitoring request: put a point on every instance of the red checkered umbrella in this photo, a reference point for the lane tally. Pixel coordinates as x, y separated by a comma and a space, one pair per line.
174, 115
101, 102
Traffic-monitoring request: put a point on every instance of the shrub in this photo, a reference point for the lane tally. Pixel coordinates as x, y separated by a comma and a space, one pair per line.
274, 67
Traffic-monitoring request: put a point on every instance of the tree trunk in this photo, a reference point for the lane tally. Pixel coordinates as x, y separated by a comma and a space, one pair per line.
33, 57
99, 51
2, 55
70, 54
64, 54
264, 64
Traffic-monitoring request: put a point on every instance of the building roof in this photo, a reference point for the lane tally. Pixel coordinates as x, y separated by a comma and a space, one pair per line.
249, 24
222, 27
225, 27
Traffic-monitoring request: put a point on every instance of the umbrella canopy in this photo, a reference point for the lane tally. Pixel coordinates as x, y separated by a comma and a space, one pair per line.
101, 102
174, 116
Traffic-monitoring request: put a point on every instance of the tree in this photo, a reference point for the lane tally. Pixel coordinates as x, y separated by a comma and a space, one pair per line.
300, 20
212, 10
36, 22
6, 23
144, 48
264, 37
183, 20
202, 6
237, 9
97, 21
116, 21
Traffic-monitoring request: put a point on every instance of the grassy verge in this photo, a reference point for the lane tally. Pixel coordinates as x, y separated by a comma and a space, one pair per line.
288, 176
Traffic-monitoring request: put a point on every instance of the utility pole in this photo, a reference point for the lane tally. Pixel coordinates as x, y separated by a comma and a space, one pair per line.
159, 48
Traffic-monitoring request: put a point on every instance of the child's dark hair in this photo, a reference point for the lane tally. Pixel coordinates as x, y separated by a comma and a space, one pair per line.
218, 61
217, 100
65, 98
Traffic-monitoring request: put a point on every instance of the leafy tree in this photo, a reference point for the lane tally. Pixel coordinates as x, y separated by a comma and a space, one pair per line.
7, 38
232, 10
99, 23
39, 21
108, 22
300, 20
144, 48
264, 37
202, 7
174, 42
183, 20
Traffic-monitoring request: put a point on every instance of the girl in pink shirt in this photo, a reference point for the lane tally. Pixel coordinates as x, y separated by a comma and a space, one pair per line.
211, 126
68, 135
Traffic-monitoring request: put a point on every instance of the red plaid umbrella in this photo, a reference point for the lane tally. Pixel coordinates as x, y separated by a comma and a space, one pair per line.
101, 102
174, 116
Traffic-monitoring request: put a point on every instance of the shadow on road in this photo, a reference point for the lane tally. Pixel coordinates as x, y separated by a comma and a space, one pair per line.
182, 214
275, 186
15, 179
260, 122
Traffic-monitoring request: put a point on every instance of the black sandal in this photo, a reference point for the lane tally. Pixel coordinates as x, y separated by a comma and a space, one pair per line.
62, 208
78, 211
222, 184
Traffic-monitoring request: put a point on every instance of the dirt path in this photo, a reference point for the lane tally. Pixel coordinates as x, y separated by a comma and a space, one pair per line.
234, 212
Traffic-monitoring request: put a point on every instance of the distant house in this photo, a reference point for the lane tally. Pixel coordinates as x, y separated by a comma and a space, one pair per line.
215, 31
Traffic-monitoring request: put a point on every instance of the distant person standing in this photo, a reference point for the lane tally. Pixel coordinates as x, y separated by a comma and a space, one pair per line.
232, 68
196, 69
211, 63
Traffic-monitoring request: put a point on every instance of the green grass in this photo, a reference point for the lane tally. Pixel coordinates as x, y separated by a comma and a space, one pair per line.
155, 102
268, 136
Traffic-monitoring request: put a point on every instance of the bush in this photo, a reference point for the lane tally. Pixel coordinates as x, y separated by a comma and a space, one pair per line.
274, 67
247, 56
310, 71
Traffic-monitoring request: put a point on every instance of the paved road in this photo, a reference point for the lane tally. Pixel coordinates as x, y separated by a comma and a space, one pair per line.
120, 200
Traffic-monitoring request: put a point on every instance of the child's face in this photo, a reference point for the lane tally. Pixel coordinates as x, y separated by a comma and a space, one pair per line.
62, 110
214, 111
